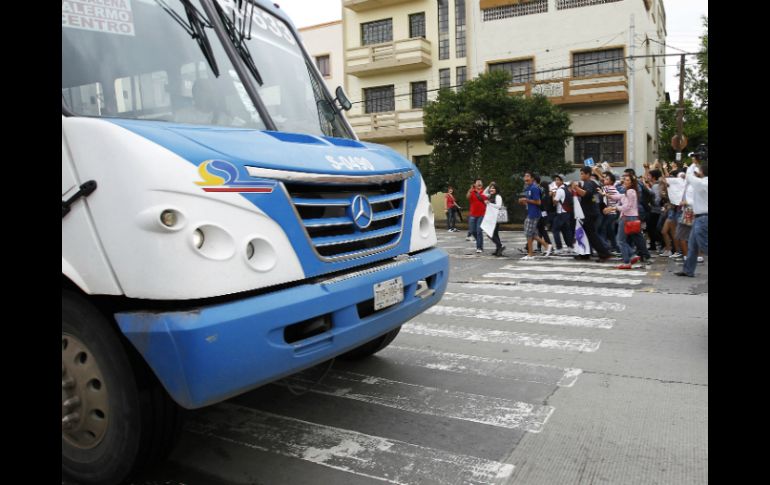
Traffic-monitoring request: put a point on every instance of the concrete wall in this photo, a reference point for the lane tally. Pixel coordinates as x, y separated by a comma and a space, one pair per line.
326, 39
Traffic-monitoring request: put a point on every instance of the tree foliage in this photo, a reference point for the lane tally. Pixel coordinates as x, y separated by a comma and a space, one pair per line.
697, 78
483, 131
696, 127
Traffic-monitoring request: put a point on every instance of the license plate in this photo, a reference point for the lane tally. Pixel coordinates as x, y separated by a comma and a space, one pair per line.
388, 293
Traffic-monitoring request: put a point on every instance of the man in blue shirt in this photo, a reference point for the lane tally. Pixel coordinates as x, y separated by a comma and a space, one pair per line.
531, 199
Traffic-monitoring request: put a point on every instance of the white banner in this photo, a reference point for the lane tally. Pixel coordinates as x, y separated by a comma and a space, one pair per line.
581, 239
676, 188
490, 220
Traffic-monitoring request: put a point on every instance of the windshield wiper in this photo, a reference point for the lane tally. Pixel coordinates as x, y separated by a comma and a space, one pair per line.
239, 31
195, 28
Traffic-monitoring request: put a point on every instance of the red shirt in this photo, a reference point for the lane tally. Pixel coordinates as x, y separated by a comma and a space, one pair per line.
450, 201
478, 207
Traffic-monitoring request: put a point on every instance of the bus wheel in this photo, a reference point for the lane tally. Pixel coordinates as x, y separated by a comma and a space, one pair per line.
106, 417
371, 347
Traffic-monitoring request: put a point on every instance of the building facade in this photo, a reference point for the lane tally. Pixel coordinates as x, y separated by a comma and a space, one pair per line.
399, 52
324, 44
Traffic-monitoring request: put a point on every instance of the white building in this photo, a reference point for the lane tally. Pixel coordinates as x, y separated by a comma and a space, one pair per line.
573, 52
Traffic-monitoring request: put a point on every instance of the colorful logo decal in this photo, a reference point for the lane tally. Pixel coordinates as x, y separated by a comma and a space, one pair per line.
222, 176
361, 211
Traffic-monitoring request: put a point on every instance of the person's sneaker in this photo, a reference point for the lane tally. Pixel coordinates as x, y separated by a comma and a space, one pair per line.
635, 259
548, 251
700, 259
623, 266
479, 251
676, 255
682, 273
666, 253
527, 258
468, 238
501, 251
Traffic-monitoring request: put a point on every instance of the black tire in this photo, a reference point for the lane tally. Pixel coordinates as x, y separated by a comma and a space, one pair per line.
142, 422
371, 347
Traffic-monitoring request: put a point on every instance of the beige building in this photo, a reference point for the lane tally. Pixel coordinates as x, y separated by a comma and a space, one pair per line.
399, 52
324, 44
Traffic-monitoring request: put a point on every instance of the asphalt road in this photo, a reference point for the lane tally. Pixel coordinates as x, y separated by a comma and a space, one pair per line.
545, 372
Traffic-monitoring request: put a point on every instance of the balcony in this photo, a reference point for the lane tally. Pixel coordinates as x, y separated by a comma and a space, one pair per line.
388, 126
400, 55
363, 5
578, 91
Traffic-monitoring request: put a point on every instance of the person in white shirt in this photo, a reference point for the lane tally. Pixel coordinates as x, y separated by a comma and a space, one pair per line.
699, 236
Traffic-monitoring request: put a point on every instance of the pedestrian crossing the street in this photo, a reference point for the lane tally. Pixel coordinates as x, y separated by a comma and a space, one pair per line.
483, 346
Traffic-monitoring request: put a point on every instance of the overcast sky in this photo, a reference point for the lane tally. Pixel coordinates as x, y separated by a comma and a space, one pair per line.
683, 24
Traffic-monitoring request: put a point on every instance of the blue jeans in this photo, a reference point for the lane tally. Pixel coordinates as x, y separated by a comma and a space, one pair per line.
625, 241
608, 230
474, 228
561, 226
699, 241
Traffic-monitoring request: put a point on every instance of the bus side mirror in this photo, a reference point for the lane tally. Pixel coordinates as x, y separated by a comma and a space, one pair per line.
342, 99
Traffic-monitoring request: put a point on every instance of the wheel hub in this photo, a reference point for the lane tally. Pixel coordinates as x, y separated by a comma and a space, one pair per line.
85, 403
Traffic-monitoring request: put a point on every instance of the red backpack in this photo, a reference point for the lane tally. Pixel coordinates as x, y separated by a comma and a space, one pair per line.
567, 204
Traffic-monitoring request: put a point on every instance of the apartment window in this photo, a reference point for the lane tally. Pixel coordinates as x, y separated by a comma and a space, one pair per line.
598, 62
521, 71
443, 29
417, 25
323, 65
419, 94
514, 10
601, 148
460, 28
377, 32
460, 74
443, 78
379, 99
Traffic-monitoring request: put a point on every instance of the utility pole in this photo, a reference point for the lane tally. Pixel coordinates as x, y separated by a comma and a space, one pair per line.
631, 97
680, 113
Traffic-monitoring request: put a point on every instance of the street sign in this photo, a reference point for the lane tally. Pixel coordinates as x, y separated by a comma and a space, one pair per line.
588, 162
678, 144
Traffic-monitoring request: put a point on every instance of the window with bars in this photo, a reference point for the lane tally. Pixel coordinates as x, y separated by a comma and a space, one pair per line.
593, 63
459, 29
517, 10
565, 4
601, 148
323, 65
521, 71
419, 94
444, 80
417, 25
379, 99
460, 75
377, 32
443, 29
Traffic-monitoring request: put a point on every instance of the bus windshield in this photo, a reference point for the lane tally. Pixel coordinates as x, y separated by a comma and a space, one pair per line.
285, 80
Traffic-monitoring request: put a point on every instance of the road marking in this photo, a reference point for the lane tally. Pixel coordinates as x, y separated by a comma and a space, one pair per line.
529, 301
503, 315
559, 277
481, 366
500, 337
431, 401
573, 269
566, 261
381, 459
546, 288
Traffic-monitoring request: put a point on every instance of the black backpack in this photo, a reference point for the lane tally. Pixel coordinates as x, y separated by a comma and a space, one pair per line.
646, 197
567, 204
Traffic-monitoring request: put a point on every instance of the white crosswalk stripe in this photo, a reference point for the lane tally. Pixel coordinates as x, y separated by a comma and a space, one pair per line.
414, 398
481, 366
572, 269
547, 288
381, 459
514, 301
508, 316
560, 277
500, 336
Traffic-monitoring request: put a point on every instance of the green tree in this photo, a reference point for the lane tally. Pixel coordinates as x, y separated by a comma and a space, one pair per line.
697, 78
695, 127
483, 131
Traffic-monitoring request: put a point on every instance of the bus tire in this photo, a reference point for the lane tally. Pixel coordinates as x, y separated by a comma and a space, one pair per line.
115, 420
371, 347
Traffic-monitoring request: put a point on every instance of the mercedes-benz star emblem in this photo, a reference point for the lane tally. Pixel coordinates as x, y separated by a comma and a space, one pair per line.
361, 211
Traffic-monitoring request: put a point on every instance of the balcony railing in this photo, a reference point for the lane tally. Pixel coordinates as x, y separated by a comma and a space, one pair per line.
388, 126
576, 91
393, 56
363, 5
